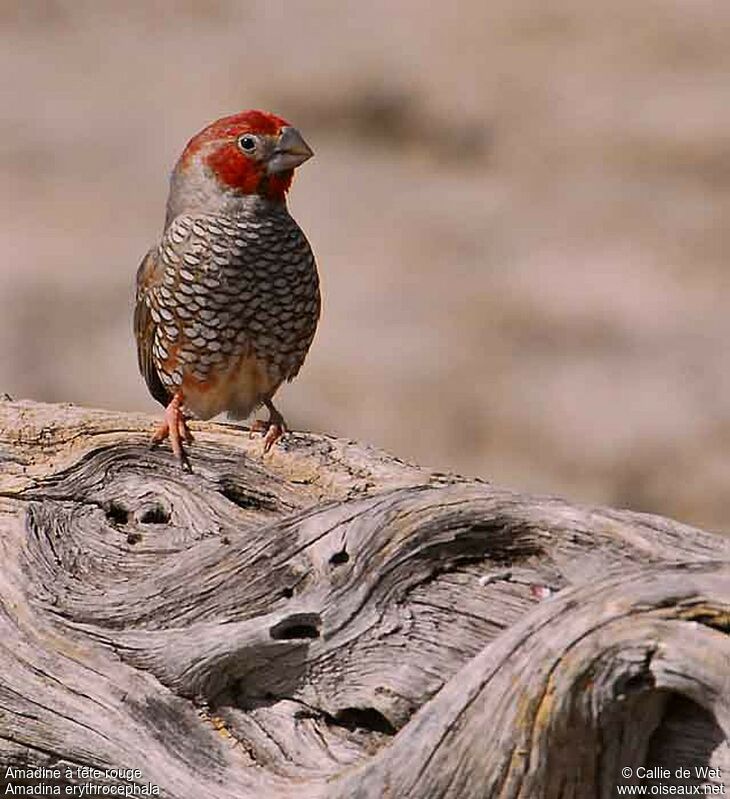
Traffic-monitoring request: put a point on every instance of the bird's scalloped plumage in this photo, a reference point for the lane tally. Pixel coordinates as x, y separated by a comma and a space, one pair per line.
228, 301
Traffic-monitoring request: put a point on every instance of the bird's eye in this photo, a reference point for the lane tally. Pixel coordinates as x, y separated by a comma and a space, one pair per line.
247, 143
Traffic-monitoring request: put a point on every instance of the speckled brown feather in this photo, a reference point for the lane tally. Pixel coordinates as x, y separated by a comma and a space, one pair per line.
227, 307
144, 326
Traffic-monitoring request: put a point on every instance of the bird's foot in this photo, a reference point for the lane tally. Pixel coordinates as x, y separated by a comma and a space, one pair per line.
273, 428
176, 428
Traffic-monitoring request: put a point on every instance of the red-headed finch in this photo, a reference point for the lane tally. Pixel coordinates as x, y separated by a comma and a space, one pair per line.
228, 301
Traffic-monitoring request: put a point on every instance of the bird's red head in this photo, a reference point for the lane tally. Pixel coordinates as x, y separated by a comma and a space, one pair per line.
253, 152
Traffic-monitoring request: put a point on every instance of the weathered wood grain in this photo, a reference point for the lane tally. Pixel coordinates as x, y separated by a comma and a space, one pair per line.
329, 621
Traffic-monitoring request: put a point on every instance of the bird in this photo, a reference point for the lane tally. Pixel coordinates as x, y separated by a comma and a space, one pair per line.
228, 301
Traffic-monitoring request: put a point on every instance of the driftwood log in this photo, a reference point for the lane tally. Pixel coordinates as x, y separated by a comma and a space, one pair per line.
329, 621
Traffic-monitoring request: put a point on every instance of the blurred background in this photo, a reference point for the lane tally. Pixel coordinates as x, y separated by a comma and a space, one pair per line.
520, 211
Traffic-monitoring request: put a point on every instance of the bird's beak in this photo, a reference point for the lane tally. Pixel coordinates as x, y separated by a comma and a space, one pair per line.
289, 152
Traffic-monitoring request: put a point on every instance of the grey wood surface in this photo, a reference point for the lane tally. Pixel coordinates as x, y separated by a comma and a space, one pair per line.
329, 621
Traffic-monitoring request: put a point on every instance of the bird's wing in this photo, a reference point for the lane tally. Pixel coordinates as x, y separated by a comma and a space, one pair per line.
148, 275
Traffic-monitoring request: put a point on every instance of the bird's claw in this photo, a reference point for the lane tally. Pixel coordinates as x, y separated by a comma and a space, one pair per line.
273, 434
272, 429
175, 427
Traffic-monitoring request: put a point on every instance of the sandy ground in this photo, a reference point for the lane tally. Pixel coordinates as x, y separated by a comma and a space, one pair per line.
520, 211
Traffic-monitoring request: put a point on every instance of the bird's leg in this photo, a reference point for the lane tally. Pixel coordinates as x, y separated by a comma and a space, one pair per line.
177, 429
273, 428
276, 426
